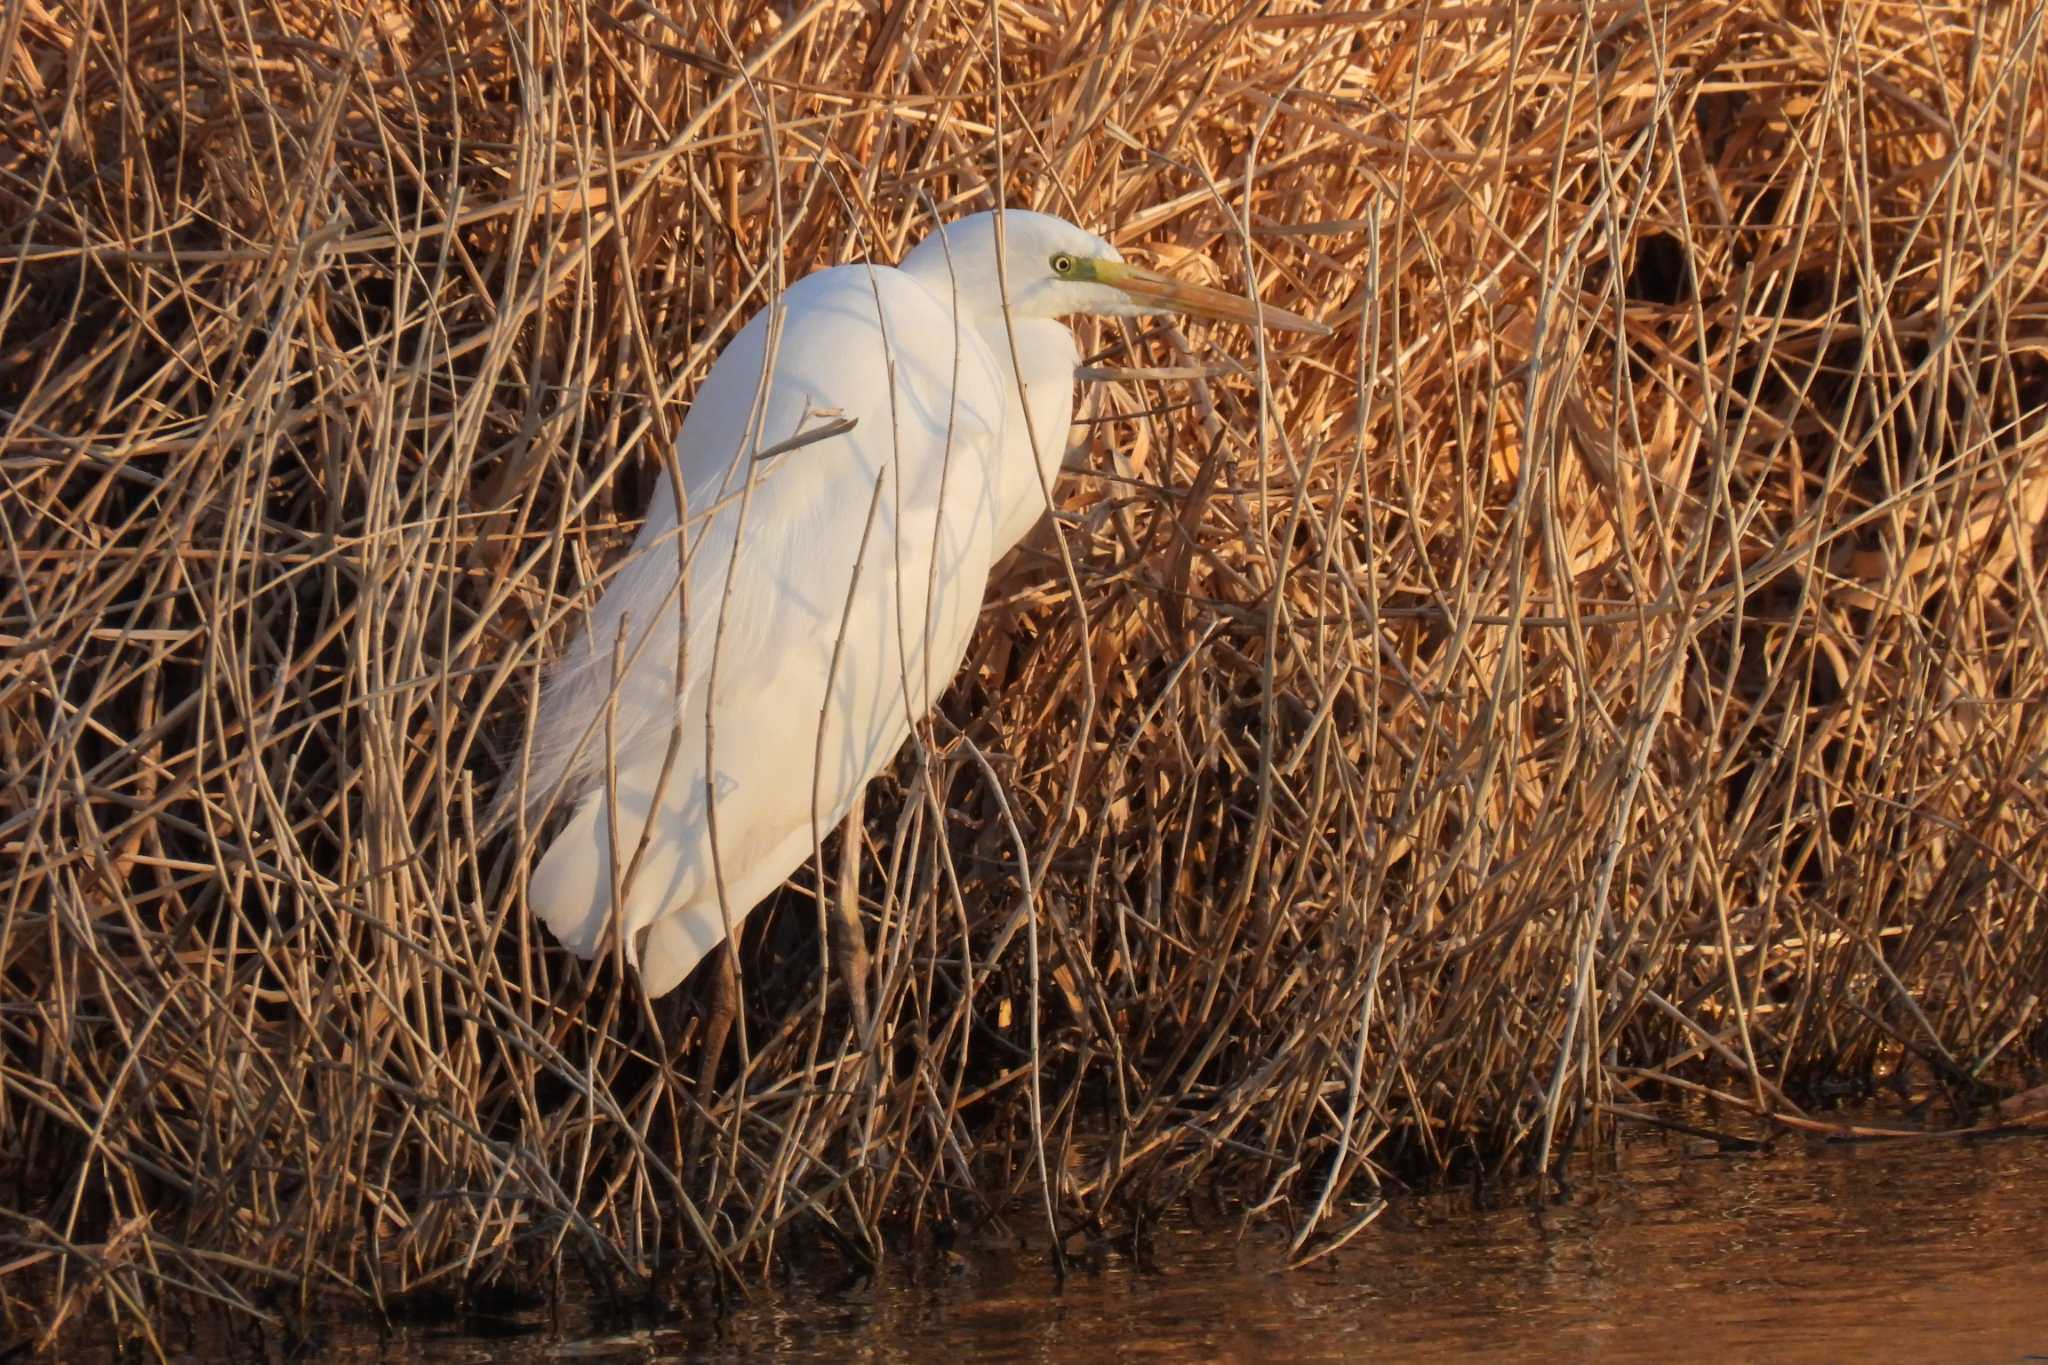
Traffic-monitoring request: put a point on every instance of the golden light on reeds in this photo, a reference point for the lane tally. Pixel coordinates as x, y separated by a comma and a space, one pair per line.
1609, 667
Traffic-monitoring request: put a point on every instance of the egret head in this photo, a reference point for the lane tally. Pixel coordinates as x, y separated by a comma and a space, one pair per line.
1055, 269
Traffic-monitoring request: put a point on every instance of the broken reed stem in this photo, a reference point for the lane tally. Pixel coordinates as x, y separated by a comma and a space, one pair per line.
1609, 669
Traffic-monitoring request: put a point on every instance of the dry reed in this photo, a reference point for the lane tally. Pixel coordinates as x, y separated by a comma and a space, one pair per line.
1610, 668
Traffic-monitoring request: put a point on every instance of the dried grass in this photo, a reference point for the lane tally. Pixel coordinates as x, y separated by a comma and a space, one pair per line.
1611, 667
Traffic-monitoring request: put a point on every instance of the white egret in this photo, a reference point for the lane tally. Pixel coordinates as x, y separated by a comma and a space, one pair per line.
832, 588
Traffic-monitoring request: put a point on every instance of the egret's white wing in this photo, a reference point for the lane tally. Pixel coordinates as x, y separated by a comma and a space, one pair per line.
887, 531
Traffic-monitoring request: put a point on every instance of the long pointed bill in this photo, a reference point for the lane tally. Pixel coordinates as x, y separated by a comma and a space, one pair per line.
1180, 296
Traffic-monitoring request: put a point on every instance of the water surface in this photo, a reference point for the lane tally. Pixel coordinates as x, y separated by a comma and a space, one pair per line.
1664, 1249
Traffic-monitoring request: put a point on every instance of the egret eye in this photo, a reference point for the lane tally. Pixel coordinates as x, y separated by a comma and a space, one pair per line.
1063, 265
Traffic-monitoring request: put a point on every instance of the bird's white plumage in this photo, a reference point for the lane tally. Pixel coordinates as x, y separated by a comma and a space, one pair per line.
884, 534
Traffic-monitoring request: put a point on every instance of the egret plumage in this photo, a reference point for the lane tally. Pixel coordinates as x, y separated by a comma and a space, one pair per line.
860, 456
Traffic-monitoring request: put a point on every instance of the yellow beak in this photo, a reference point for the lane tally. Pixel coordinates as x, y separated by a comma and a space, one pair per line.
1180, 296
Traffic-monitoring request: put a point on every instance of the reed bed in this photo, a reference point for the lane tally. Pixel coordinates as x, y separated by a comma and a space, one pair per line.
1610, 668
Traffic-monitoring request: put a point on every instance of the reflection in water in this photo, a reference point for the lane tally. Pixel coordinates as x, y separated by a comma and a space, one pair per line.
1915, 1250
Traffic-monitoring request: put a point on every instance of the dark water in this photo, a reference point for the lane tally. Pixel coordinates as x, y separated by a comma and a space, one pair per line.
1905, 1251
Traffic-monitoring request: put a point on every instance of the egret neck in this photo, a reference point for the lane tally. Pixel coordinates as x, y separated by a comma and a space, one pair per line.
958, 266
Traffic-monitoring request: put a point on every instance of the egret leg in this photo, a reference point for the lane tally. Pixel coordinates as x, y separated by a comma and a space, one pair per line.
718, 1013
849, 943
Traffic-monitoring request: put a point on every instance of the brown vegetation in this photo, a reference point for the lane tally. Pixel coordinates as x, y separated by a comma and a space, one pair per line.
1611, 667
